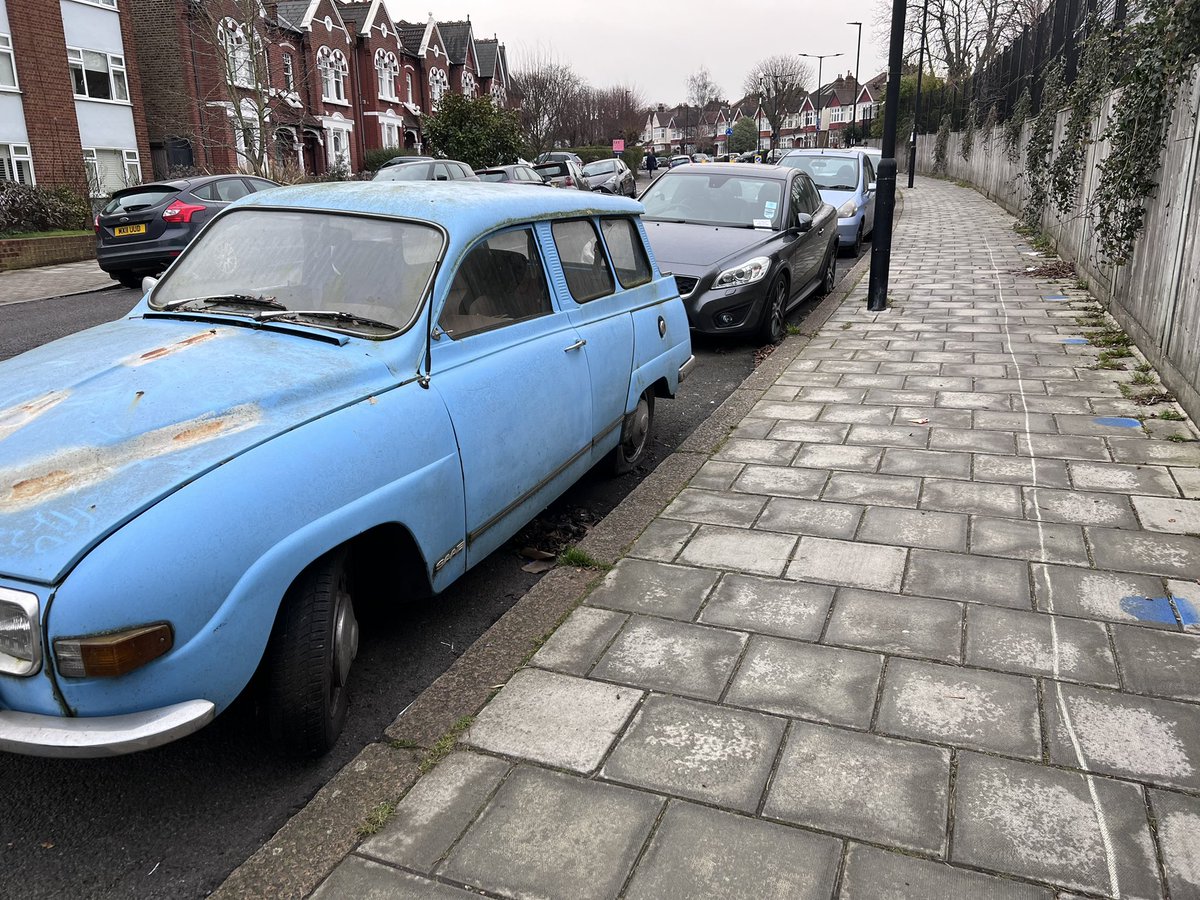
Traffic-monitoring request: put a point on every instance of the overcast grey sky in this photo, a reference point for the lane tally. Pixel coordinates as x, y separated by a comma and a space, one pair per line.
656, 44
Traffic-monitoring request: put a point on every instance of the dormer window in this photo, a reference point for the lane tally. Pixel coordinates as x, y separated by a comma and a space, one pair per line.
387, 67
332, 67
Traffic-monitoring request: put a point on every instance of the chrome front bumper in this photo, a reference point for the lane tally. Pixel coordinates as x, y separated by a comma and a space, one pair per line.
66, 737
686, 368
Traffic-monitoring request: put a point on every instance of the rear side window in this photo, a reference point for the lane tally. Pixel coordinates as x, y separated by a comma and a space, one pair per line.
582, 257
500, 282
627, 252
137, 200
231, 189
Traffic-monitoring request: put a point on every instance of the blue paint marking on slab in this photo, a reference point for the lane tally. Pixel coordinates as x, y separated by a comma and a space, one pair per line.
1074, 341
1149, 609
1117, 421
1187, 612
1055, 297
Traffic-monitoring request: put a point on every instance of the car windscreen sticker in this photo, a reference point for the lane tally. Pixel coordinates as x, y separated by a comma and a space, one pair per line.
762, 223
769, 209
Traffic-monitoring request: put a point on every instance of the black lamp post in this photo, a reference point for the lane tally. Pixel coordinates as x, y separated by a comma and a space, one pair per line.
857, 86
912, 151
820, 58
885, 179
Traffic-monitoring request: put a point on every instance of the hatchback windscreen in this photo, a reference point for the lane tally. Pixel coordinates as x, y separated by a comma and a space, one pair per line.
715, 199
140, 199
351, 273
417, 172
600, 167
832, 173
492, 176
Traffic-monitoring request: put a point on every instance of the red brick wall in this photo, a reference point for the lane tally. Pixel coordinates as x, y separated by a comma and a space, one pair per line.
133, 76
40, 48
25, 253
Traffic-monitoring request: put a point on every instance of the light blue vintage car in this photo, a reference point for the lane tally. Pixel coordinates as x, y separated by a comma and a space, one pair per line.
336, 389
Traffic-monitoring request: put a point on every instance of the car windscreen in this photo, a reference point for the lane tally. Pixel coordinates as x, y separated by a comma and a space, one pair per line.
600, 167
365, 267
715, 199
832, 173
143, 198
492, 176
553, 170
404, 172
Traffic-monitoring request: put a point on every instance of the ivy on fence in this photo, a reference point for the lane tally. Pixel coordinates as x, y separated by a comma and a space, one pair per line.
1066, 172
939, 148
967, 145
1040, 145
1013, 125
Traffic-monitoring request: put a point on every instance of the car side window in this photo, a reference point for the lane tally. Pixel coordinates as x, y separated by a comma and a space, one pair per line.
799, 201
206, 191
814, 198
499, 282
869, 167
231, 189
261, 184
441, 172
627, 251
582, 257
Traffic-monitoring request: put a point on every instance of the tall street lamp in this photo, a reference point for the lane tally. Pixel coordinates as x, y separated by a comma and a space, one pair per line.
820, 58
885, 178
857, 86
912, 151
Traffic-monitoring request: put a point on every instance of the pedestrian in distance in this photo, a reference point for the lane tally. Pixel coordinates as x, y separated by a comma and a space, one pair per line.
651, 163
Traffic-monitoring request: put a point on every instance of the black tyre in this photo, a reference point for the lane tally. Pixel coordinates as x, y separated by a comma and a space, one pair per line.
830, 276
635, 436
307, 664
858, 242
772, 328
128, 279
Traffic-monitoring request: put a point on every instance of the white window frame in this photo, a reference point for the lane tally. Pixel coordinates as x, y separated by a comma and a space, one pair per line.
468, 83
439, 85
6, 49
107, 4
332, 154
408, 86
17, 154
289, 73
239, 51
390, 132
116, 66
133, 167
387, 67
333, 69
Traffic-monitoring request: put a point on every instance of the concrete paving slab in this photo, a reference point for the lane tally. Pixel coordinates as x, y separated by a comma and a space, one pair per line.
1168, 514
796, 410
809, 432
769, 606
893, 397
1042, 473
907, 626
963, 707
1151, 553
768, 452
959, 576
701, 852
1079, 507
1156, 741
675, 657
1019, 422
662, 540
1155, 663
937, 416
1185, 598
577, 642
547, 834
553, 719
847, 457
976, 498
1114, 596
850, 563
739, 550
815, 517
715, 508
1179, 838
1039, 644
1123, 479
654, 588
915, 528
1036, 822
437, 810
1188, 481
807, 681
1063, 446
367, 880
857, 415
698, 751
781, 481
971, 441
715, 475
1164, 453
873, 490
926, 463
974, 400
874, 874
864, 786
1035, 541
907, 435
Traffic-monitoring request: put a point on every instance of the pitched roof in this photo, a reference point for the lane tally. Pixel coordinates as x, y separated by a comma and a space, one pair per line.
412, 35
355, 15
487, 52
457, 36
291, 12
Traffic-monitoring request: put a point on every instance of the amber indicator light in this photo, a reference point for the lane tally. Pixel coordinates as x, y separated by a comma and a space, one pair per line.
109, 655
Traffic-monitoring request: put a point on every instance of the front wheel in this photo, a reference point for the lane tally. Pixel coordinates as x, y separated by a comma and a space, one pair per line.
127, 279
772, 329
829, 278
635, 436
858, 242
307, 664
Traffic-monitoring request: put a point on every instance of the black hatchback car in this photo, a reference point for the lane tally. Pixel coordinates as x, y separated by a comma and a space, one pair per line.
143, 228
745, 244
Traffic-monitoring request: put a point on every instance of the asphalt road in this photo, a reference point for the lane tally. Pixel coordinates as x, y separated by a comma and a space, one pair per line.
173, 822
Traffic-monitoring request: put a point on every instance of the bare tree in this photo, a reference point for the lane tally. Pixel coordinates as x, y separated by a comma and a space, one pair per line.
550, 98
961, 34
779, 82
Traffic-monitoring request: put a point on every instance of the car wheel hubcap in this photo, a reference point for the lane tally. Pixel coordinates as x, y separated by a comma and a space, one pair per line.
345, 638
639, 428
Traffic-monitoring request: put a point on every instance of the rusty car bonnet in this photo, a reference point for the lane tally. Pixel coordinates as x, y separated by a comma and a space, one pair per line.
97, 427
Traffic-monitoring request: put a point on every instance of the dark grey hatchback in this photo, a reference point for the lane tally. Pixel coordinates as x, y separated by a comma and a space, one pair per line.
142, 229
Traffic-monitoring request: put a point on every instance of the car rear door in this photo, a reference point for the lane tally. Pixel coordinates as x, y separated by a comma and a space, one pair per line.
813, 243
510, 368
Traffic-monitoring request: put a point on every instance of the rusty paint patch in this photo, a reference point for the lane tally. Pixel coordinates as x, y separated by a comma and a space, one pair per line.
167, 350
74, 469
17, 417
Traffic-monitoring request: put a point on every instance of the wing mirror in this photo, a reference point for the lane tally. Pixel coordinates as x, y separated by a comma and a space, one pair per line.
148, 284
803, 222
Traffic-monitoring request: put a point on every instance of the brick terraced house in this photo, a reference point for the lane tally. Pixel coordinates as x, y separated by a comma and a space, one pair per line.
71, 110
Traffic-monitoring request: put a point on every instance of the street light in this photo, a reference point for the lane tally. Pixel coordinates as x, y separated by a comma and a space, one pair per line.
912, 152
857, 86
820, 58
885, 177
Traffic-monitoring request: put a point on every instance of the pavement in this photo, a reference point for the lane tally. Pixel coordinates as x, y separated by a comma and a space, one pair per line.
41, 282
925, 624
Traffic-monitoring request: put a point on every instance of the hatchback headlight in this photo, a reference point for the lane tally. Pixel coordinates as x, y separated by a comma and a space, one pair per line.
847, 209
750, 271
20, 643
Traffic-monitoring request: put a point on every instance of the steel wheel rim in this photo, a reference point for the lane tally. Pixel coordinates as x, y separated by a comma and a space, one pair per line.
639, 430
345, 639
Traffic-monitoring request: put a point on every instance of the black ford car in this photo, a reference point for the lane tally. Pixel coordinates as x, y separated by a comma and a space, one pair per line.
143, 228
745, 245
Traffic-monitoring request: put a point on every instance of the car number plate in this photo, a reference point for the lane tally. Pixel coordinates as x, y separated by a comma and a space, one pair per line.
126, 230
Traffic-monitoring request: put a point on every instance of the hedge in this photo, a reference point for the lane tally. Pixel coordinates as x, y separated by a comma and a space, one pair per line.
25, 208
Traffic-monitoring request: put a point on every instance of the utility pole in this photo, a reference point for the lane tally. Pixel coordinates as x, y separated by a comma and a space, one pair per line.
885, 179
912, 150
857, 86
820, 62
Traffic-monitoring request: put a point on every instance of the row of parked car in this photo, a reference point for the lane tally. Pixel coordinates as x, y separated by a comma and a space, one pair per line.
340, 395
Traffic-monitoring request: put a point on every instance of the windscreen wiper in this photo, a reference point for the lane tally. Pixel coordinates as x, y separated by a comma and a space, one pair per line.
243, 299
336, 315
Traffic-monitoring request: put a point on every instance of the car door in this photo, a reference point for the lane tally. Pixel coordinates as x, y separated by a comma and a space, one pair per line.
509, 367
868, 182
813, 243
601, 314
798, 249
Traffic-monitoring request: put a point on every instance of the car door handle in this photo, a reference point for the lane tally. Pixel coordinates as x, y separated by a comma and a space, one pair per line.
575, 346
